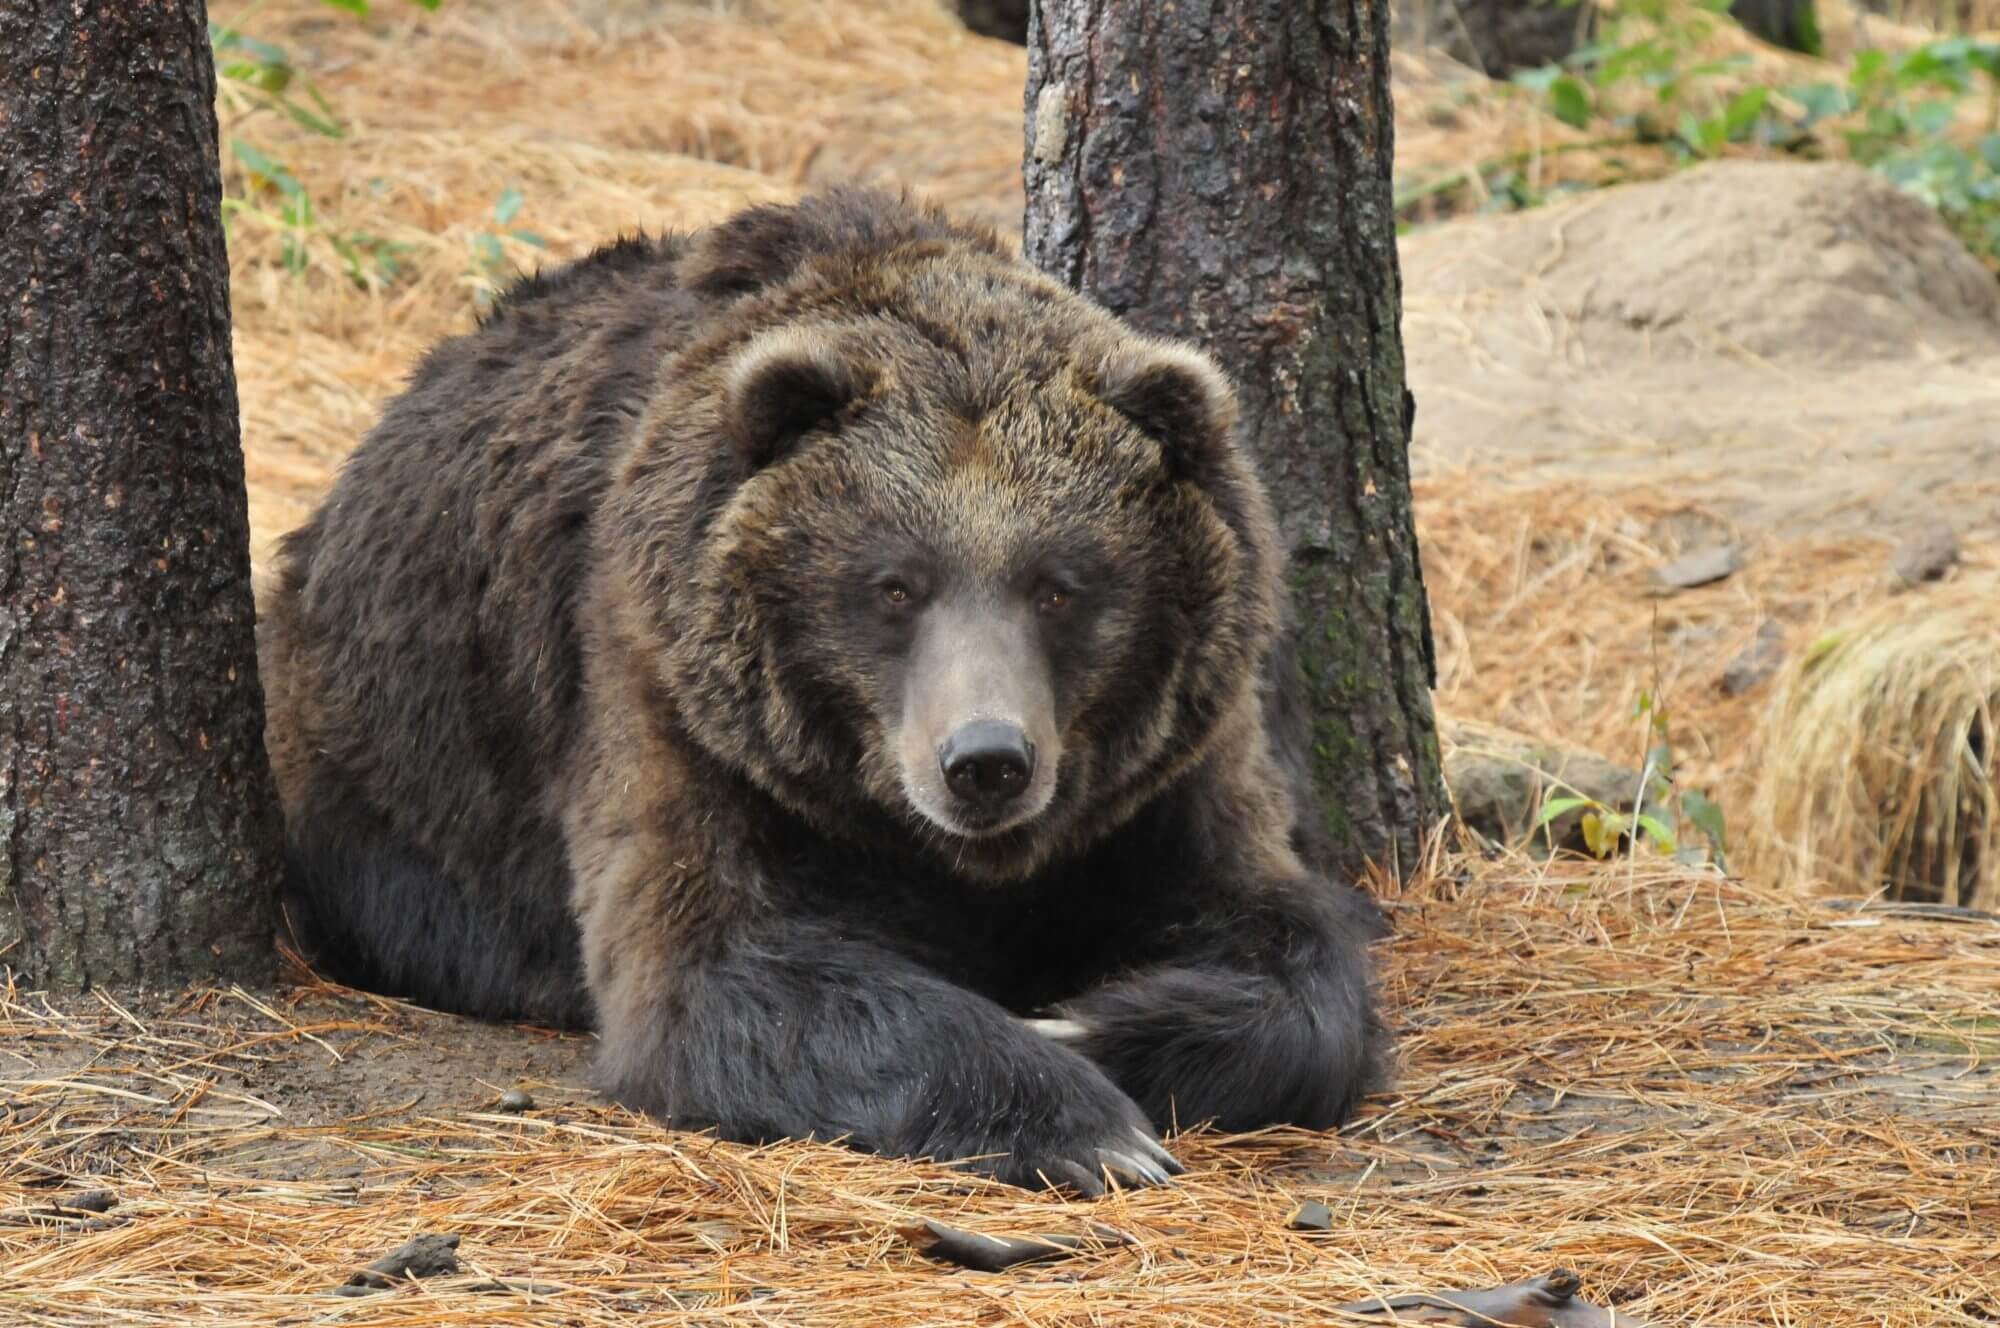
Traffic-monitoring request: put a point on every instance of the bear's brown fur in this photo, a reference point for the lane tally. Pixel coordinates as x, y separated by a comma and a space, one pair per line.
844, 666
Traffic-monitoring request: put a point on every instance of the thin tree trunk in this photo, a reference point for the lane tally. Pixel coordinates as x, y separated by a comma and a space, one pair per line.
1499, 37
1792, 24
139, 831
1219, 171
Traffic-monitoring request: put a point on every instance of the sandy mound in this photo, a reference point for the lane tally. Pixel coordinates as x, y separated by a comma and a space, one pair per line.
1820, 264
1795, 344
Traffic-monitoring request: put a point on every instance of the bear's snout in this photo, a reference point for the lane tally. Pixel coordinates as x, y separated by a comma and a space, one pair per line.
987, 764
978, 744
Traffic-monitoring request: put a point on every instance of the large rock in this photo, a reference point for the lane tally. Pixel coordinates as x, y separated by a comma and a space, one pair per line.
1500, 780
1820, 264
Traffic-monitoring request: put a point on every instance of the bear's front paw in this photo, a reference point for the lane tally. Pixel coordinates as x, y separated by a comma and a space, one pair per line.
1064, 1123
1133, 1161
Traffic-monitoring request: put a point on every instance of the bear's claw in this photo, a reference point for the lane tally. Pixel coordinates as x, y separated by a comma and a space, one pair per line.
1135, 1165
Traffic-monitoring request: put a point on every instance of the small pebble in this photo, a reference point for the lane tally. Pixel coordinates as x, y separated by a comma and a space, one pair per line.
1925, 557
1700, 568
1312, 1215
515, 1100
1757, 661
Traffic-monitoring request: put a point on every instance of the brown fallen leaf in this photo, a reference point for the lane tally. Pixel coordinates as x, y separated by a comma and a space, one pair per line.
89, 1201
993, 1254
428, 1255
1548, 1301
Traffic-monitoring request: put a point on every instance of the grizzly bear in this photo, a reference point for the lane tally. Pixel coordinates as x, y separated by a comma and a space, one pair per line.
843, 667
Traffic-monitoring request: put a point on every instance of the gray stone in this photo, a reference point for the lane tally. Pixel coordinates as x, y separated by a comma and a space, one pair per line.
1756, 661
1924, 557
1500, 780
1700, 568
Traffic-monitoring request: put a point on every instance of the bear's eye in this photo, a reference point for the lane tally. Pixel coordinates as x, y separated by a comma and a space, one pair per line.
1052, 600
897, 594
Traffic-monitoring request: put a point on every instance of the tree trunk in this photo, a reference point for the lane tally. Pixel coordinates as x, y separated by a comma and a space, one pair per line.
1499, 37
1005, 19
1219, 170
1792, 24
139, 830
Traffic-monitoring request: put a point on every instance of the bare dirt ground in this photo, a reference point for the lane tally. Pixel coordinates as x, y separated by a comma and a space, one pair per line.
302, 1059
1722, 1104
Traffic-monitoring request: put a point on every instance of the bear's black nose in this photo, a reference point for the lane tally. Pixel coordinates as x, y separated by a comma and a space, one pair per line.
987, 763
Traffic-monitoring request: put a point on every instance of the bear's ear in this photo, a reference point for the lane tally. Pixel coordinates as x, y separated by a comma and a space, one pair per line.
766, 246
781, 388
1176, 396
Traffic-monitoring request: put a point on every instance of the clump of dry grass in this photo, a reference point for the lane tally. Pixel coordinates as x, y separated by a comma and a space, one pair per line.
1877, 754
1720, 1104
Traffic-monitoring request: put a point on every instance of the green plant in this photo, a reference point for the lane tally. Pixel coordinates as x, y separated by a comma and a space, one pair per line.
1654, 45
257, 76
273, 196
1903, 115
1898, 114
260, 76
489, 255
1661, 815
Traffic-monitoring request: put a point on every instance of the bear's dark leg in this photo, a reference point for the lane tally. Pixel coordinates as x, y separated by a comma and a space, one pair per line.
377, 912
1266, 1017
788, 1029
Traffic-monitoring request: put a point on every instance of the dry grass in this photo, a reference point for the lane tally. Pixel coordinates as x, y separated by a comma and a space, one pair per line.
1878, 754
606, 116
1721, 1105
1545, 624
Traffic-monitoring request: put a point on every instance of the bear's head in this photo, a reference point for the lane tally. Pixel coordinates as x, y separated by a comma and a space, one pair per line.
936, 550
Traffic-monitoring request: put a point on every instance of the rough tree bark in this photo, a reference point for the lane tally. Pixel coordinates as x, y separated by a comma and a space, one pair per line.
139, 830
1219, 170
